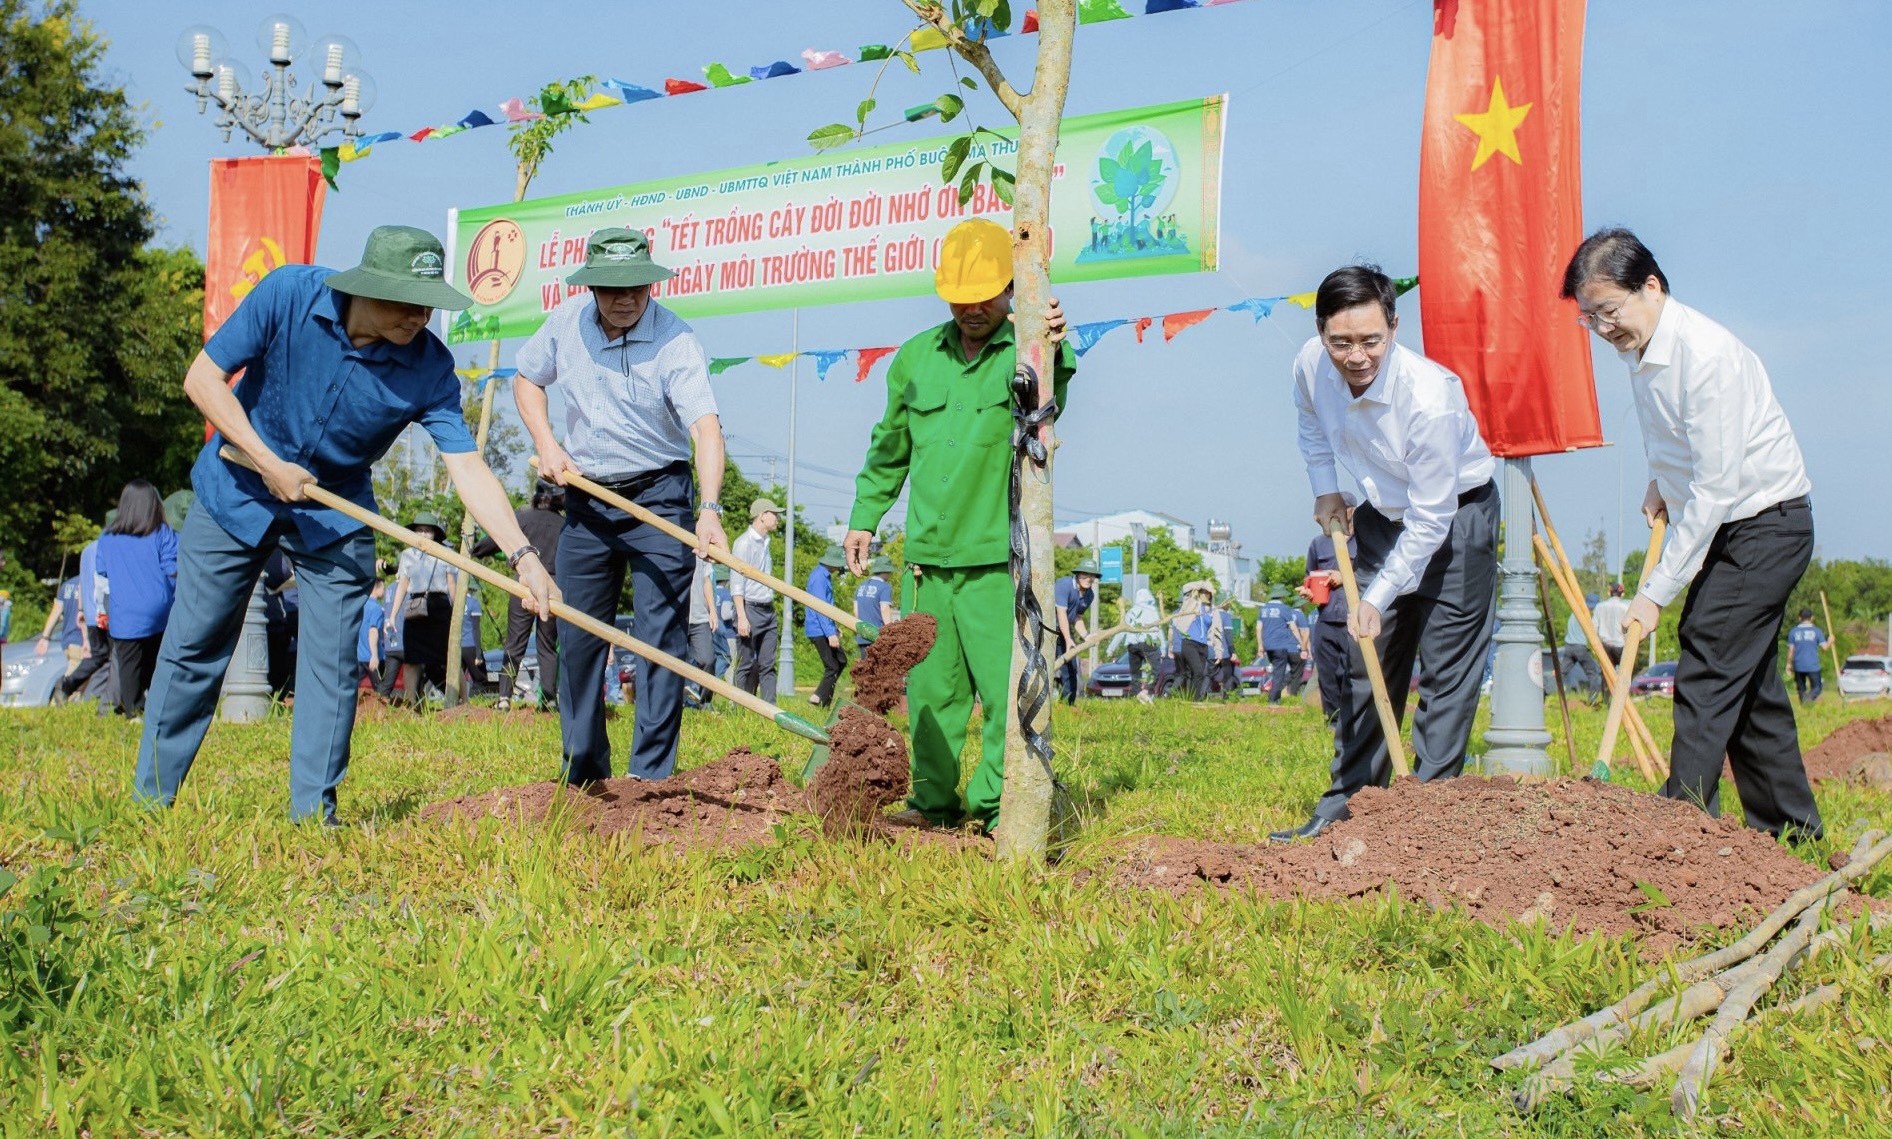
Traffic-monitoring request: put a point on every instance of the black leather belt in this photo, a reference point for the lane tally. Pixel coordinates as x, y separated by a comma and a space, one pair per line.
634, 485
1804, 502
1477, 492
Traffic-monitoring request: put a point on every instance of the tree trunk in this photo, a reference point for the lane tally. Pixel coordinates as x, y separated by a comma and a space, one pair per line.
460, 582
1025, 814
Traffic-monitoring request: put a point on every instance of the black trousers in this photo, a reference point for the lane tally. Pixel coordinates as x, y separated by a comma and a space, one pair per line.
98, 655
1333, 669
1141, 657
1222, 674
133, 662
519, 626
1067, 673
1808, 685
1192, 669
1446, 623
1284, 665
833, 661
1729, 698
390, 672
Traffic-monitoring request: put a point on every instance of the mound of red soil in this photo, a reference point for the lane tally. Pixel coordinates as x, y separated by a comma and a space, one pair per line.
734, 801
866, 770
881, 677
1850, 742
1576, 853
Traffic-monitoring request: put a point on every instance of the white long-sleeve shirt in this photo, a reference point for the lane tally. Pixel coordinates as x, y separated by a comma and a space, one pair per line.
1410, 442
752, 548
1720, 449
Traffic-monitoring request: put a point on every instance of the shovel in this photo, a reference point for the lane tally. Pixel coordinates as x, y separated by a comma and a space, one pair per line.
782, 718
866, 632
1632, 637
1389, 723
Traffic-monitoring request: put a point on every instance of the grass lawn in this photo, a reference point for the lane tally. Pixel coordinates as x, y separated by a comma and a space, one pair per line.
213, 970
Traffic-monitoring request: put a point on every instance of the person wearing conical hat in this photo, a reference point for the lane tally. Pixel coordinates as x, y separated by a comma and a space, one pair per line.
638, 408
945, 437
822, 632
335, 366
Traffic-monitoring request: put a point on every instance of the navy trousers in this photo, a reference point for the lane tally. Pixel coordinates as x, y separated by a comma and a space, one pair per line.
598, 545
215, 574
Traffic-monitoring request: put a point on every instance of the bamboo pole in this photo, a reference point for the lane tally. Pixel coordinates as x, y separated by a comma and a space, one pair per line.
1382, 702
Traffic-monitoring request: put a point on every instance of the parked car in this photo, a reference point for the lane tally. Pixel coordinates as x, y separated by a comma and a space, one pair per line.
1112, 679
1657, 680
27, 677
1866, 676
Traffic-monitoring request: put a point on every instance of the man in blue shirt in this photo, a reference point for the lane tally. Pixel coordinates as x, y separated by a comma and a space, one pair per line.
822, 632
335, 366
1073, 596
1190, 632
873, 597
1805, 642
1281, 626
368, 646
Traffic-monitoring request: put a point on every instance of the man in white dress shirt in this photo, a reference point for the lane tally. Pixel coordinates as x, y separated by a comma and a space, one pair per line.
1727, 473
637, 403
757, 629
1427, 532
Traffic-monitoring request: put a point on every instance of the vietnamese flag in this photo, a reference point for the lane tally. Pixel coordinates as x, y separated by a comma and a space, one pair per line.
1500, 213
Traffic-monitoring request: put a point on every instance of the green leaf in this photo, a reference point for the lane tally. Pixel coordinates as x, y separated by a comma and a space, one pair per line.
968, 82
1657, 899
906, 57
969, 182
1003, 184
955, 158
1108, 170
949, 107
7, 879
830, 136
860, 112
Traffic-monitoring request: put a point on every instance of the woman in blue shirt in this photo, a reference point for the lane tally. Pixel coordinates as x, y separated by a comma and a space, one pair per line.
137, 566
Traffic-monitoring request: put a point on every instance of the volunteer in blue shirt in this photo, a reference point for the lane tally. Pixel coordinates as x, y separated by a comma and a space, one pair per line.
1280, 640
822, 632
1074, 596
137, 562
1190, 630
1805, 642
64, 617
368, 644
335, 366
873, 597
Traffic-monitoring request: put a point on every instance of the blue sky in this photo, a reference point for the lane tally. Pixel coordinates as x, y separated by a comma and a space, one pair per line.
1747, 143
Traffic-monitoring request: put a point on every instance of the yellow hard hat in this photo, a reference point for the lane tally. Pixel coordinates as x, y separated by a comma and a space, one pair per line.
975, 262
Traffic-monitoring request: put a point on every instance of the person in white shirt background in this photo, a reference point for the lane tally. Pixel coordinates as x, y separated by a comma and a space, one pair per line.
1727, 474
1608, 619
1427, 533
757, 630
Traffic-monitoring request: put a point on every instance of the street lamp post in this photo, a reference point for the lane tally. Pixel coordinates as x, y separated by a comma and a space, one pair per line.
289, 110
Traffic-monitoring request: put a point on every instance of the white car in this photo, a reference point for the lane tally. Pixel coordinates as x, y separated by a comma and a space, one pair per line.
27, 679
1866, 676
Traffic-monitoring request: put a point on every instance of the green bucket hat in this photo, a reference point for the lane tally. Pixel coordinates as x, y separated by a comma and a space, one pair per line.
1277, 593
720, 573
619, 259
881, 564
1089, 566
833, 558
427, 518
402, 264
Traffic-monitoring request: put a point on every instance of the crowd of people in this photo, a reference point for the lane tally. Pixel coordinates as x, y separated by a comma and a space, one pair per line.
336, 365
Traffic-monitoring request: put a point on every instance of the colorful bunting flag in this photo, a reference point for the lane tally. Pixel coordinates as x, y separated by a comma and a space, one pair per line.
1177, 321
720, 76
929, 39
721, 364
1098, 11
824, 361
822, 60
682, 87
866, 358
1084, 337
516, 111
1142, 326
1305, 300
599, 101
1261, 307
631, 92
871, 52
476, 118
774, 70
779, 360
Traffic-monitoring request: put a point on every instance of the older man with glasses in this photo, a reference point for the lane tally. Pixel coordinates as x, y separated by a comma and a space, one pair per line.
1727, 473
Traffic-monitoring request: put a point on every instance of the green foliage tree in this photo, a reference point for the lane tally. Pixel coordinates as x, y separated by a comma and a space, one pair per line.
96, 330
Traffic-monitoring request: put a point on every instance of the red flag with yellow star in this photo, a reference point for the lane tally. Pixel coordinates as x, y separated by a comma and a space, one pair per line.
1500, 213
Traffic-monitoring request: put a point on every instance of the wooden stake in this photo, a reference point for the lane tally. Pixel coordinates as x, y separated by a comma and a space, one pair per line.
1389, 723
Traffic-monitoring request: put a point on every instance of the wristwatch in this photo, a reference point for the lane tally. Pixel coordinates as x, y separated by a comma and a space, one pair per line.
513, 559
712, 505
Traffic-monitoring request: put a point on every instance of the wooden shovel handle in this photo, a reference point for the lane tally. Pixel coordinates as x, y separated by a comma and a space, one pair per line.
1632, 635
585, 621
1389, 723
643, 514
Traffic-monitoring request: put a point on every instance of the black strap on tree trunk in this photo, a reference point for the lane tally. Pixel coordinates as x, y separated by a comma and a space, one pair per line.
1034, 681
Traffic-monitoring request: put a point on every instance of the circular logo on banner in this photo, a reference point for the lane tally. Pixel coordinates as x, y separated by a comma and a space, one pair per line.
494, 260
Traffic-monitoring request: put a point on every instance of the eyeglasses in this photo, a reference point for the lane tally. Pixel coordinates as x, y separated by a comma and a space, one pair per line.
1346, 347
1602, 320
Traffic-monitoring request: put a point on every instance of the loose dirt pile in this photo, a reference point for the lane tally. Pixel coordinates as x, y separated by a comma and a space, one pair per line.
880, 680
1839, 754
1590, 856
866, 770
735, 801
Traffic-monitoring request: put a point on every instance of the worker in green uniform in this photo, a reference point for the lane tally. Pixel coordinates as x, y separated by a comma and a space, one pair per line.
946, 435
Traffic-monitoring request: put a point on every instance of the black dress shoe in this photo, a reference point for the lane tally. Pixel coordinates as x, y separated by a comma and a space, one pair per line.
1313, 828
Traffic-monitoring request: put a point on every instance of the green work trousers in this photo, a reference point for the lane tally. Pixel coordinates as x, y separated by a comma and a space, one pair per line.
973, 656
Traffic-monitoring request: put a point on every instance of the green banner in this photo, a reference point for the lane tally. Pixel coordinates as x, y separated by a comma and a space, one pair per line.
1135, 193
